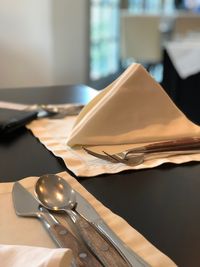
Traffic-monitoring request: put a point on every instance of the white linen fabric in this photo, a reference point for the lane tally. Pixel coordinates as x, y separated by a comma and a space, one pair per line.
23, 256
185, 56
23, 231
134, 109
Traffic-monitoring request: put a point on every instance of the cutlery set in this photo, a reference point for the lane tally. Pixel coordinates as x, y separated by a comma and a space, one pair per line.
136, 156
55, 111
26, 205
92, 242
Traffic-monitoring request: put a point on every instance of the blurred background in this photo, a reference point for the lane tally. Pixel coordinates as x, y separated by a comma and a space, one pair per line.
90, 42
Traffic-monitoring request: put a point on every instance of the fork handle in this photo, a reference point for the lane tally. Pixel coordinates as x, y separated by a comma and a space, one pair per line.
172, 145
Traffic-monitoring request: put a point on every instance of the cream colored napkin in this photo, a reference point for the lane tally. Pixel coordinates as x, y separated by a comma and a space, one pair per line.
16, 230
23, 256
133, 111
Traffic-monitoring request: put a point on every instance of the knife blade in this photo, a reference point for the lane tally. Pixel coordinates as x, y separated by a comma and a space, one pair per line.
88, 211
26, 205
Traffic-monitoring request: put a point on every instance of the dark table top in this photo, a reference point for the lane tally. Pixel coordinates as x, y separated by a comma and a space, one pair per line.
162, 203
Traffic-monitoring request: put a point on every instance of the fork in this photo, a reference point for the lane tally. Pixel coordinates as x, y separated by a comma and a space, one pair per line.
136, 156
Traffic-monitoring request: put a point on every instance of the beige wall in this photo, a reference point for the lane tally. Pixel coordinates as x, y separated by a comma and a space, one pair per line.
70, 27
43, 42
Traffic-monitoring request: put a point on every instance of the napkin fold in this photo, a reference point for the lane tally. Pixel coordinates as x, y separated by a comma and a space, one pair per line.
23, 256
134, 109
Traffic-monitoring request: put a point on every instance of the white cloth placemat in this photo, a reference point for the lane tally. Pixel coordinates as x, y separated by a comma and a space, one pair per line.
134, 110
16, 230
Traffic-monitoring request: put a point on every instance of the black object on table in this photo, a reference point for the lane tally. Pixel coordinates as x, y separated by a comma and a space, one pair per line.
184, 92
161, 203
11, 120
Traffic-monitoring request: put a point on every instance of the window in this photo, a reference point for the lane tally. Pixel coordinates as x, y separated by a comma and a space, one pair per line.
151, 6
104, 38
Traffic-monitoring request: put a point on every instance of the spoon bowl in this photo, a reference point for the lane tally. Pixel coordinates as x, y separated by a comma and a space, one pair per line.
54, 193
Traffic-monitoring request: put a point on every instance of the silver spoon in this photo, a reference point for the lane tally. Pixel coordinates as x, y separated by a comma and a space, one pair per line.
56, 194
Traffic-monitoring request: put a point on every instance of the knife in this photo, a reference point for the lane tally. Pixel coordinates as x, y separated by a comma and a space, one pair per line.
56, 111
86, 210
26, 205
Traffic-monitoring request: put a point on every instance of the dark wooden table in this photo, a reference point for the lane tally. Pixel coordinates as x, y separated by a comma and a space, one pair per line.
162, 203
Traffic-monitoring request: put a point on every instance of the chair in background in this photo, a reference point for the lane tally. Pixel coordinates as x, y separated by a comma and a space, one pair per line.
186, 23
140, 39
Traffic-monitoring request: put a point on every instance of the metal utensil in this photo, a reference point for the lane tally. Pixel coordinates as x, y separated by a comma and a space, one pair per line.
56, 194
136, 156
56, 111
26, 205
89, 212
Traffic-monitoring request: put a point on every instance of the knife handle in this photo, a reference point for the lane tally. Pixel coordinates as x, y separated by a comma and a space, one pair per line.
65, 239
99, 245
171, 145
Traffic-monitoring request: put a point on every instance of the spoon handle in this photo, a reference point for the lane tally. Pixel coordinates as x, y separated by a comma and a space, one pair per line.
65, 239
97, 243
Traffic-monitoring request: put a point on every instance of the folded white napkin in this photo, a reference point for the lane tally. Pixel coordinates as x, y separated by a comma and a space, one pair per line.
28, 256
133, 109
